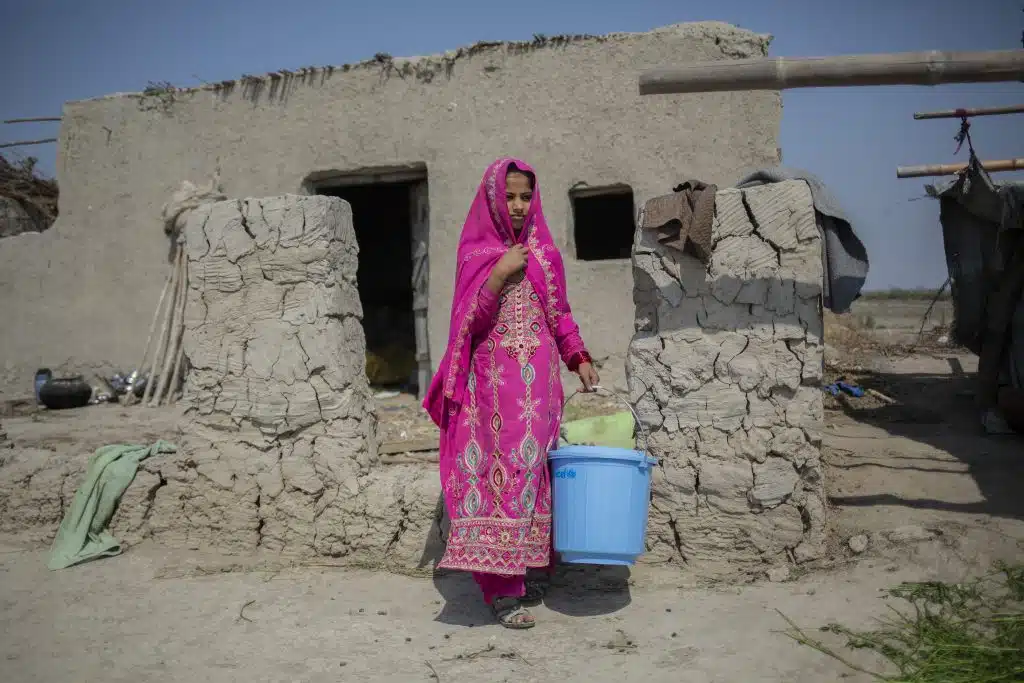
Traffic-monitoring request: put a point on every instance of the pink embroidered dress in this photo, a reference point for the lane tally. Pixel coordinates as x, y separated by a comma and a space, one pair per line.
497, 395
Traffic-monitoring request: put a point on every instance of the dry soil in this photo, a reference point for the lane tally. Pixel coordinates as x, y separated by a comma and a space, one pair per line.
932, 496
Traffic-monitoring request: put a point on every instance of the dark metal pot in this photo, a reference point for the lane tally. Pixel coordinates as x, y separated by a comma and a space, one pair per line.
60, 393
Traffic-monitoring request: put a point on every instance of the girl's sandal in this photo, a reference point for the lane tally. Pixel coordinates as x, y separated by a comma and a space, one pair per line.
535, 592
510, 613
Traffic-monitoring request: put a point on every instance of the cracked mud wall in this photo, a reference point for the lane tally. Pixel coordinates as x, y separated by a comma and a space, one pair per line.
279, 417
725, 367
278, 448
277, 445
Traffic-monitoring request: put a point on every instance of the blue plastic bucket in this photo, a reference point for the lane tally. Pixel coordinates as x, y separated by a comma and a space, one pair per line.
600, 499
600, 502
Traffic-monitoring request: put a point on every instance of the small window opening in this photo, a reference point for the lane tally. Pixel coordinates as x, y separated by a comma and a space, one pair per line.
604, 220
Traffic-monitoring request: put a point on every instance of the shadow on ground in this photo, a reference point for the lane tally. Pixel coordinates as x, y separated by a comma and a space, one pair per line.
576, 590
589, 591
938, 410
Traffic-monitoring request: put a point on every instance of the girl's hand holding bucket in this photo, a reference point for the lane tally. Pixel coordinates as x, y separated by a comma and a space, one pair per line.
588, 376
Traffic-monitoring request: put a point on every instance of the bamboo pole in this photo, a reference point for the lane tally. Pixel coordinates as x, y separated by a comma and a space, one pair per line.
953, 169
177, 334
140, 368
170, 352
780, 73
34, 120
161, 340
969, 113
176, 379
26, 143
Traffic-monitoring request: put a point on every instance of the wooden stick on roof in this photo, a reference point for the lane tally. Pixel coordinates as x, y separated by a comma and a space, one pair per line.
968, 113
781, 73
953, 169
25, 143
34, 120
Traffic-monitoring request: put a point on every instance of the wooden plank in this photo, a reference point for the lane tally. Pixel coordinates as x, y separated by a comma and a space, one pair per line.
25, 143
419, 207
410, 459
408, 173
409, 446
36, 119
969, 113
584, 191
882, 397
781, 73
953, 169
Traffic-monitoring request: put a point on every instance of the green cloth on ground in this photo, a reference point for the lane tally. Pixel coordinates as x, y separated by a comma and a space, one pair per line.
83, 535
610, 431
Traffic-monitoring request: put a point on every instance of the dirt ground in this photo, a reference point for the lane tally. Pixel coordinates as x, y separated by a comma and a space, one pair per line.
127, 619
933, 497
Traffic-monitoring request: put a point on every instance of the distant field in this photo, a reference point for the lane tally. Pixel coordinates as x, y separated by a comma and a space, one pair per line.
896, 316
904, 294
892, 319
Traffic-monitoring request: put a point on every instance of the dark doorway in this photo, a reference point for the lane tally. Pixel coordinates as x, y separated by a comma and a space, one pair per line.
390, 221
604, 221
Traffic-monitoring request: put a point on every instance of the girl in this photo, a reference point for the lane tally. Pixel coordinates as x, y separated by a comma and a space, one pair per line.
497, 395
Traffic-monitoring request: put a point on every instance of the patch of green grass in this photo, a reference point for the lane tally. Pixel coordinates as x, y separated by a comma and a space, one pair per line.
951, 633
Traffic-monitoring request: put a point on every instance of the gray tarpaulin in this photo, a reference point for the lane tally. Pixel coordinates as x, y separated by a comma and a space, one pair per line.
844, 258
983, 233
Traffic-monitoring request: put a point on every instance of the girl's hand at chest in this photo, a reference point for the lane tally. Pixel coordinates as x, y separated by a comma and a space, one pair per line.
512, 263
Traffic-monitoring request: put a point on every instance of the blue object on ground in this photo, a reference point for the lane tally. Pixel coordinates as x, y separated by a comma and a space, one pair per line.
601, 497
851, 389
844, 387
43, 375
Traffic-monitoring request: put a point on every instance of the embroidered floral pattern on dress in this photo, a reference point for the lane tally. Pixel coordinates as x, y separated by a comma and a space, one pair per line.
554, 307
499, 546
520, 320
483, 251
467, 323
503, 524
492, 192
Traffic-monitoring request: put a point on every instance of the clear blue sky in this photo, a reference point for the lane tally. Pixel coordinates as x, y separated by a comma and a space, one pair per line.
57, 50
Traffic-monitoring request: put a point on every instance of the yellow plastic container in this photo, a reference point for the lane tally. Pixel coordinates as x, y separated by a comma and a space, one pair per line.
610, 431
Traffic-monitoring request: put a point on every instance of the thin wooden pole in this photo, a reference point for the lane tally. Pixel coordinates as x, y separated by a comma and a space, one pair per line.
34, 120
161, 341
953, 169
165, 360
781, 73
169, 379
968, 113
176, 379
129, 398
26, 143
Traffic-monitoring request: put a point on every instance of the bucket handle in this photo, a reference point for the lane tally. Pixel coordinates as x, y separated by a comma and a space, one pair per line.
636, 417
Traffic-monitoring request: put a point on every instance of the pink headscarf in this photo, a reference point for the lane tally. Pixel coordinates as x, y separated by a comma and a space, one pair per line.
486, 235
